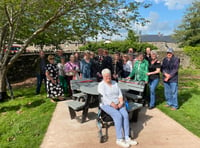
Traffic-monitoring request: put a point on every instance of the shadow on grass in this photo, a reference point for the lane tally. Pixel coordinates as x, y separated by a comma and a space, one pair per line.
10, 108
34, 104
19, 106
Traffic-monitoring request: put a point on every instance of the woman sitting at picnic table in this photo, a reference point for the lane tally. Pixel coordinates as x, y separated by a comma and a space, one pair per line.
113, 104
53, 87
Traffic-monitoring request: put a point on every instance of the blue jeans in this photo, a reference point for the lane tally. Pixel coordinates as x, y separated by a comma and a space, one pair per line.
171, 93
40, 78
121, 120
152, 86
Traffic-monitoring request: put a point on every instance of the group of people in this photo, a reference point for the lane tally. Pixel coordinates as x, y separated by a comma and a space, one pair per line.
57, 74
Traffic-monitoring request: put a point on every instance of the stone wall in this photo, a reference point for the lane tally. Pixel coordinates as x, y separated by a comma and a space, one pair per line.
22, 68
184, 59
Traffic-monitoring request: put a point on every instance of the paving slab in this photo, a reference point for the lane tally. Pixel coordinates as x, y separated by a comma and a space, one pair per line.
154, 129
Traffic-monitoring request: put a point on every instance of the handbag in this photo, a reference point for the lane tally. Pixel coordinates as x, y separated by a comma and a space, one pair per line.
69, 73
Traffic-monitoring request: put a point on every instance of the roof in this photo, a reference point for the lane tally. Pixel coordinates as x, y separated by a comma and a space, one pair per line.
157, 38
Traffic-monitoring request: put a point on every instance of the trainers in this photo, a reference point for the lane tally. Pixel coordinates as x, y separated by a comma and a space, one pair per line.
122, 143
131, 142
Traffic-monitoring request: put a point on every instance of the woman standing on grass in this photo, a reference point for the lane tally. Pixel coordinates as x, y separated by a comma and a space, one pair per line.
53, 87
154, 77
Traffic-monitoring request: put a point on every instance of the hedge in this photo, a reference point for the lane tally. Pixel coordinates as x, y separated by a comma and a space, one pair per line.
194, 53
117, 46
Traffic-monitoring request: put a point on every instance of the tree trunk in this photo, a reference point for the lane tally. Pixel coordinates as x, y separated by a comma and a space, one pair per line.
3, 94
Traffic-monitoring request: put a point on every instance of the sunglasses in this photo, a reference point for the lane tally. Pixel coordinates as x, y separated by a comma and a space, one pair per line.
51, 59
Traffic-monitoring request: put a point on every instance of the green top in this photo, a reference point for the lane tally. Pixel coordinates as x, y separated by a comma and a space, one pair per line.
140, 71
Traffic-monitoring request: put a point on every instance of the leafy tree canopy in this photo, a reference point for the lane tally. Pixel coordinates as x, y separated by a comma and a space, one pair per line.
188, 33
52, 21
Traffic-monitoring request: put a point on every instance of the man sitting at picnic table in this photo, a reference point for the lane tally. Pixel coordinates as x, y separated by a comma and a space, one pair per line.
113, 104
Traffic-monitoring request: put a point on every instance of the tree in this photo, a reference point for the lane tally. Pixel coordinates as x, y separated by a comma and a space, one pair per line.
132, 36
188, 33
32, 20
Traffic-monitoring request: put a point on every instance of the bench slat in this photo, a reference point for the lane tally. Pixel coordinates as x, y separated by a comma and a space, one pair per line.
134, 106
76, 105
78, 95
132, 96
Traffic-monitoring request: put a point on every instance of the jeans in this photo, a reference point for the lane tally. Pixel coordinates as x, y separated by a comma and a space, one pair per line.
152, 87
40, 78
171, 93
121, 120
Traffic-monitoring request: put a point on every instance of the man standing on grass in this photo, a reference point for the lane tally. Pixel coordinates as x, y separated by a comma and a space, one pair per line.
39, 65
170, 66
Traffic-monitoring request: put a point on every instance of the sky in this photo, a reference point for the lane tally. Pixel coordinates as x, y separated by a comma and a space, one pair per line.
164, 17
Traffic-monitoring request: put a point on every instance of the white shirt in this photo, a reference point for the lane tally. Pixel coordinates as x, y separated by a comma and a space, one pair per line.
109, 93
128, 66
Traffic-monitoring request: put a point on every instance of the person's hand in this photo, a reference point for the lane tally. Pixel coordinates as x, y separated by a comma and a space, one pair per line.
99, 74
167, 75
166, 79
120, 105
81, 76
145, 82
53, 81
128, 78
114, 105
148, 73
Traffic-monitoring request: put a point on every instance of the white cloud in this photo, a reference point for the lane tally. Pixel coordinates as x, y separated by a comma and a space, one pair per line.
175, 4
155, 26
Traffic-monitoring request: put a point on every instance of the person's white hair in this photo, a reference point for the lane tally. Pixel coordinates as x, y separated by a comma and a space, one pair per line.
105, 71
154, 52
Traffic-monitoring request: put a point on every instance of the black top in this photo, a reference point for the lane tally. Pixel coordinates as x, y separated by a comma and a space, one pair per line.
152, 68
117, 68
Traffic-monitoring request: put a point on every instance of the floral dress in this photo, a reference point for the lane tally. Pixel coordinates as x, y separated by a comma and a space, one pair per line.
53, 90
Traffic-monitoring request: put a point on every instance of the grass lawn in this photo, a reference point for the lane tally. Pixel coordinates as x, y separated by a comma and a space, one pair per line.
24, 120
188, 114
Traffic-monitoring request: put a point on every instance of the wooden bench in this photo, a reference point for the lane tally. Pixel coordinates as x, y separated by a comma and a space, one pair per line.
75, 106
133, 110
80, 101
134, 90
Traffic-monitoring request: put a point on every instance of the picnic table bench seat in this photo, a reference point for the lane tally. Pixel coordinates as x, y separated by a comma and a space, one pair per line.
130, 95
75, 106
80, 99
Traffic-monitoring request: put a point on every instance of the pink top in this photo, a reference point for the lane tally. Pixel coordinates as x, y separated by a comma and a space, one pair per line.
71, 66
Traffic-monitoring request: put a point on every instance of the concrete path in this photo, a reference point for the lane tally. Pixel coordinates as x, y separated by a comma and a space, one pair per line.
153, 130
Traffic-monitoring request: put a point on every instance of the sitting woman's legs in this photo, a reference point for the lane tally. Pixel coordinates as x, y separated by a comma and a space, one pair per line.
125, 121
117, 117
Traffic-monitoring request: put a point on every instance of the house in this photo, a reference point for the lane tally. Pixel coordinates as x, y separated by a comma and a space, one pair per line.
160, 41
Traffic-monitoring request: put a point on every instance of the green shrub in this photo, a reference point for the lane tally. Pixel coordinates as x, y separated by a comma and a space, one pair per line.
194, 53
117, 46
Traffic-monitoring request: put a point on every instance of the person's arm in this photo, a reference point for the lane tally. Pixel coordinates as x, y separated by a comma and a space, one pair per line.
105, 99
175, 67
120, 98
146, 70
133, 71
50, 78
158, 67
